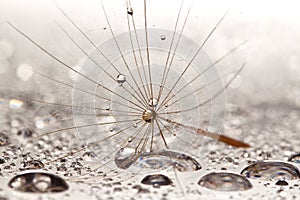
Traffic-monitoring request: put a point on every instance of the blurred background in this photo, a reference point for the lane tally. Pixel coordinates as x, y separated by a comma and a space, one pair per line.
270, 27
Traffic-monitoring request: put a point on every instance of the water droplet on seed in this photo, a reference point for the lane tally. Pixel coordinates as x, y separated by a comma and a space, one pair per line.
153, 102
156, 180
130, 11
163, 37
38, 182
121, 78
271, 170
224, 181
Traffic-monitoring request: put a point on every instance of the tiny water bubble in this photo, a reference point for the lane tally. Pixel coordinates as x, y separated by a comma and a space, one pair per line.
163, 37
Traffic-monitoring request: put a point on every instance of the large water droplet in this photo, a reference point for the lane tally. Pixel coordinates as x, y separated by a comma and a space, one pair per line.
225, 182
156, 180
271, 170
3, 139
164, 159
126, 157
38, 182
295, 158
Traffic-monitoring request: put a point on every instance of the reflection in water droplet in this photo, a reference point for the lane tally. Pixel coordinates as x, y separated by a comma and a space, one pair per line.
225, 182
156, 180
121, 78
33, 164
3, 139
38, 182
271, 170
295, 158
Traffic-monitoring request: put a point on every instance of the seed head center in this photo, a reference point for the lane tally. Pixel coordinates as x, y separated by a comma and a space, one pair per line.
149, 115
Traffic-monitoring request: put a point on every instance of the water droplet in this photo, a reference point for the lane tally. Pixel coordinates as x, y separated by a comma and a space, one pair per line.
164, 159
33, 164
295, 158
24, 72
89, 156
62, 168
121, 78
271, 170
4, 140
123, 158
130, 11
15, 103
163, 37
6, 49
281, 183
26, 133
225, 182
153, 102
2, 160
134, 125
38, 182
156, 180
